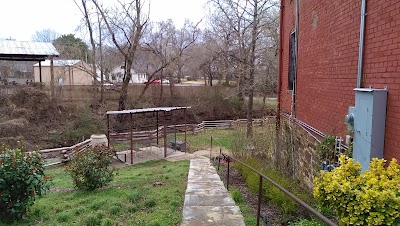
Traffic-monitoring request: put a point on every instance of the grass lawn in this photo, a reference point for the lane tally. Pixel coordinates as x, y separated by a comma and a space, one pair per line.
201, 141
151, 193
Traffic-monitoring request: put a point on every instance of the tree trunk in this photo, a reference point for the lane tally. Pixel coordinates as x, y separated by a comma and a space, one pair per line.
161, 87
171, 86
241, 87
89, 26
124, 90
180, 73
101, 63
252, 71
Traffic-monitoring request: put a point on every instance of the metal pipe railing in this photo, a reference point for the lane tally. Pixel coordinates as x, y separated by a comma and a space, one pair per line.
313, 211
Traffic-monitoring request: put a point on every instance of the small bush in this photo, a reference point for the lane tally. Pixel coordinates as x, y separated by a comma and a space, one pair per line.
326, 149
22, 178
369, 198
90, 169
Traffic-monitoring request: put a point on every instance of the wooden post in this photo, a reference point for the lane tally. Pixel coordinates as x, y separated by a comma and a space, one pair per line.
108, 131
172, 116
131, 136
165, 135
157, 128
40, 75
52, 77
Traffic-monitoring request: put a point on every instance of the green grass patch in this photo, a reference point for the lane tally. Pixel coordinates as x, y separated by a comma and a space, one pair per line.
269, 103
133, 198
201, 141
249, 216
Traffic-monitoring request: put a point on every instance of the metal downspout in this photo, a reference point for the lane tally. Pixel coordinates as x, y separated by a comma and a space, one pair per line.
296, 59
278, 115
361, 44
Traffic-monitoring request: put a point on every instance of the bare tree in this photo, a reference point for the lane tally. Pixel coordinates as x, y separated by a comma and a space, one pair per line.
125, 24
165, 50
84, 10
241, 23
45, 35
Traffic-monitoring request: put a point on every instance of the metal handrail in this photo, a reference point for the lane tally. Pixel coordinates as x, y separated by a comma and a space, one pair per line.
288, 193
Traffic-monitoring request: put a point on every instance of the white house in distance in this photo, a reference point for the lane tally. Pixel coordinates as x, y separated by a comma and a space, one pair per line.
117, 75
66, 72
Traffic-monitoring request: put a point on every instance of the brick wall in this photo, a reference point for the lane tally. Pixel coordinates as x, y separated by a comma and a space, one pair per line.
328, 57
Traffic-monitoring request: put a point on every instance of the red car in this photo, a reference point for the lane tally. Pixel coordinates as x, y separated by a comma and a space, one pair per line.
153, 82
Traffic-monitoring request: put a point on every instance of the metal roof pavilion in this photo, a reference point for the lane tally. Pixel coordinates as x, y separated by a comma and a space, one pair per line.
131, 112
144, 110
26, 51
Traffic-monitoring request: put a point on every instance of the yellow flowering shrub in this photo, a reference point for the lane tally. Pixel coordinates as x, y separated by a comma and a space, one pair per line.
369, 198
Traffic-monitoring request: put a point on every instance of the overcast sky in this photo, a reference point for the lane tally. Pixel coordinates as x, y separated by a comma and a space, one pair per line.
20, 19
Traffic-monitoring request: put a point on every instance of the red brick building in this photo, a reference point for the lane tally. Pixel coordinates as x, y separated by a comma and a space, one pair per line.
328, 41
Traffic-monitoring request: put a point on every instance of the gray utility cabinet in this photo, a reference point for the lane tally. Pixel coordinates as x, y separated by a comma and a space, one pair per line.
369, 125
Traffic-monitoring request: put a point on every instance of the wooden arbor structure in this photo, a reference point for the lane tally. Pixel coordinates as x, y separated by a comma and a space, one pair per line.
161, 126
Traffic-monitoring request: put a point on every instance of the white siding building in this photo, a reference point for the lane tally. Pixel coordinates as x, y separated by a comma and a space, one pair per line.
117, 75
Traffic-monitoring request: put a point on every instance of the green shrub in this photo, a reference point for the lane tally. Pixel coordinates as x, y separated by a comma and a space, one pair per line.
326, 149
305, 222
369, 198
22, 178
90, 169
272, 193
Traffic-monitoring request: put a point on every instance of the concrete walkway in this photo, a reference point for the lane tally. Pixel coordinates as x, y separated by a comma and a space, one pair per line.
207, 202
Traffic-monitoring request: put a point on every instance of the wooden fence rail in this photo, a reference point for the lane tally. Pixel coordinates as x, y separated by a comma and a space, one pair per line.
66, 152
195, 128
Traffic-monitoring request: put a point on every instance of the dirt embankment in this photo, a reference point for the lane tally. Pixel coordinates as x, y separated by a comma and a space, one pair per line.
39, 121
30, 116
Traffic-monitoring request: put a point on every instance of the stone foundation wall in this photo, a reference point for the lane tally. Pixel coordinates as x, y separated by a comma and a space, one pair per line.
295, 154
